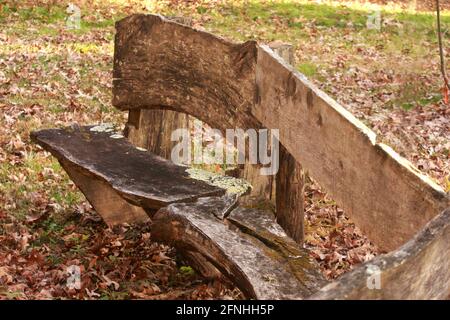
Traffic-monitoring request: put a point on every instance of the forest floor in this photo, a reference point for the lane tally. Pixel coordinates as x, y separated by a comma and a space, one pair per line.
51, 75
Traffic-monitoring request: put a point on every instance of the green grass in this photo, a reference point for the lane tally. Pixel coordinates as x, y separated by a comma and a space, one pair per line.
39, 14
51, 18
232, 15
307, 68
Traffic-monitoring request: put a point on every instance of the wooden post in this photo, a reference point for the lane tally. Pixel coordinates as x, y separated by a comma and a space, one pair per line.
290, 179
151, 129
290, 183
285, 192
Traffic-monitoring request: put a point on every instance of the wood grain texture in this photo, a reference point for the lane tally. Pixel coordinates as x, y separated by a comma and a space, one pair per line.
138, 176
262, 225
160, 64
290, 186
383, 193
107, 203
257, 262
264, 186
290, 179
420, 269
152, 129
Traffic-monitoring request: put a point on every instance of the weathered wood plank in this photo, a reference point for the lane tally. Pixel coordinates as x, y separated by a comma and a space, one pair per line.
290, 186
420, 269
290, 179
152, 129
285, 190
107, 203
138, 176
383, 193
261, 225
259, 270
160, 64
263, 187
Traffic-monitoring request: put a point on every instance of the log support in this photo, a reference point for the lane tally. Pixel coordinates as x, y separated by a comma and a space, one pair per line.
107, 203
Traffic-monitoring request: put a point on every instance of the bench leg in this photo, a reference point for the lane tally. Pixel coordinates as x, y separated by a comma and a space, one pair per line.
290, 184
108, 204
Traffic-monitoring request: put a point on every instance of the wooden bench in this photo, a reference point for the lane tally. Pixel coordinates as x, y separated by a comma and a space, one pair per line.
161, 64
127, 184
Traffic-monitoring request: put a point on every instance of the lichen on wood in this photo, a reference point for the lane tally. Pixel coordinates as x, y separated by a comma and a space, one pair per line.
231, 184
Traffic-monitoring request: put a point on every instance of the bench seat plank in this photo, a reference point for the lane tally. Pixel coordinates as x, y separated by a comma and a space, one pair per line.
140, 177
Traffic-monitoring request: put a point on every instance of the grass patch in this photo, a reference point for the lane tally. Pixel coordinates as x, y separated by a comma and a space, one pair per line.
307, 68
47, 15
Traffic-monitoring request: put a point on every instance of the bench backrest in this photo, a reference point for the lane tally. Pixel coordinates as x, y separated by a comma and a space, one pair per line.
165, 65
160, 64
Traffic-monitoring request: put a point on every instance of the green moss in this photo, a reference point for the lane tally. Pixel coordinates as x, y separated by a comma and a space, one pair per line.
231, 184
281, 250
187, 271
